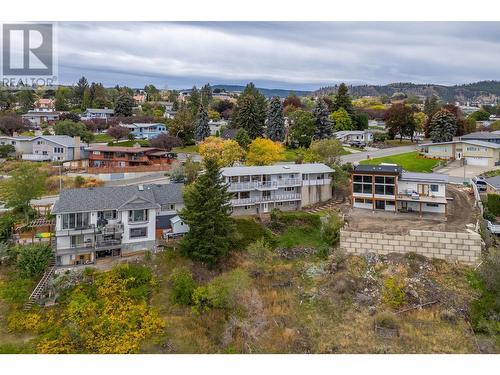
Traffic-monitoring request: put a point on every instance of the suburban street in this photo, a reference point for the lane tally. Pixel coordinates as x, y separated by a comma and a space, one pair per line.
358, 156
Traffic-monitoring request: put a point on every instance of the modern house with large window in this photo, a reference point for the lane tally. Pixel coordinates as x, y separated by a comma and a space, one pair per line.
286, 187
93, 223
389, 188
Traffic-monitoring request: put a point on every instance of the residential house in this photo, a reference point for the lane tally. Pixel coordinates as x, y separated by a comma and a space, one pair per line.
22, 144
493, 137
56, 148
216, 127
146, 130
229, 133
492, 184
348, 136
97, 113
287, 187
472, 152
94, 223
38, 116
45, 104
139, 98
389, 188
139, 159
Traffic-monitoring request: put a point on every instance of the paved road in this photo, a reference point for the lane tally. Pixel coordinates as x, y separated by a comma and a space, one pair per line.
358, 156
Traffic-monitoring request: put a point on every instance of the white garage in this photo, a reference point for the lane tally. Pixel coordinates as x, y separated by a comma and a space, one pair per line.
483, 162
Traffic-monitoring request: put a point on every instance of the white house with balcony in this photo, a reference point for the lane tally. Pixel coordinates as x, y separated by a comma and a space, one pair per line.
389, 188
287, 187
94, 223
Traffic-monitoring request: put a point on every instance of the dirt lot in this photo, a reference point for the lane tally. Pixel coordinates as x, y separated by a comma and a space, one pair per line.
461, 211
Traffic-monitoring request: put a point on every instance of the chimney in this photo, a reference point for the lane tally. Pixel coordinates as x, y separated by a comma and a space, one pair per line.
76, 152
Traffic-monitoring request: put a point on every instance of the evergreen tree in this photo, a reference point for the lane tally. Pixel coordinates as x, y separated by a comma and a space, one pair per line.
207, 212
124, 105
206, 95
194, 100
322, 123
26, 100
343, 100
359, 121
242, 138
443, 126
201, 128
250, 112
275, 129
431, 105
80, 89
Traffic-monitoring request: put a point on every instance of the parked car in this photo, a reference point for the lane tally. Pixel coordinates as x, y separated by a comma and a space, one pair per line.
480, 183
358, 144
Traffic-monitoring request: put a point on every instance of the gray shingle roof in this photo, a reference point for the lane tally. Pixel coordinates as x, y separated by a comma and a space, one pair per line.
481, 135
117, 197
466, 141
428, 177
62, 140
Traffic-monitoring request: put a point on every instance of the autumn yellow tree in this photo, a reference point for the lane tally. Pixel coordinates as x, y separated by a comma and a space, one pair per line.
264, 152
226, 152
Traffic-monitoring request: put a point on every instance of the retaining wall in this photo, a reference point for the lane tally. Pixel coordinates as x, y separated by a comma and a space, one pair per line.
464, 247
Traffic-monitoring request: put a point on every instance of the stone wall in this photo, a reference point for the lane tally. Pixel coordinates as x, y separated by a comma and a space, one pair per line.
464, 247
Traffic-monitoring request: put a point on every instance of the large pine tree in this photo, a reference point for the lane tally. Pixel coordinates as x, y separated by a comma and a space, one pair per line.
443, 126
207, 212
343, 100
275, 127
201, 128
251, 111
322, 124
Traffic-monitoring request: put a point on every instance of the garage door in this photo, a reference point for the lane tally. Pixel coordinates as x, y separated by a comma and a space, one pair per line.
477, 161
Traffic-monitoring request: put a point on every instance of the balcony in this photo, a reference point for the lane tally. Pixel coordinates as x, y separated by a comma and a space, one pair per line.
36, 157
323, 181
86, 229
111, 229
264, 185
272, 198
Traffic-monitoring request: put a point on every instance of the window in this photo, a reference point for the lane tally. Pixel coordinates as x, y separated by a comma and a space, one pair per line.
244, 194
58, 150
108, 215
234, 179
75, 220
244, 178
138, 232
432, 205
434, 188
289, 188
362, 188
305, 177
138, 215
389, 203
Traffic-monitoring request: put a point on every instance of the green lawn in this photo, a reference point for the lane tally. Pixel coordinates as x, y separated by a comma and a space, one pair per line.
102, 138
186, 149
142, 142
410, 161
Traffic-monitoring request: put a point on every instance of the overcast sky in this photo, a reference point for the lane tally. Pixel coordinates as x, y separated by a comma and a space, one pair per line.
299, 55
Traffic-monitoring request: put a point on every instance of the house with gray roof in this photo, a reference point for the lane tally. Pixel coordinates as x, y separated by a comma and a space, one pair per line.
56, 148
348, 136
492, 184
259, 189
493, 137
390, 188
97, 113
94, 223
469, 151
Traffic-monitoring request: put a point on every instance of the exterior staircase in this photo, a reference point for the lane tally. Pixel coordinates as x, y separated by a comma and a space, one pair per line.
42, 284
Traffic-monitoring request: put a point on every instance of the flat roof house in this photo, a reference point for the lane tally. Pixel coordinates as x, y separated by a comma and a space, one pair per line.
146, 130
94, 223
56, 148
22, 144
287, 187
473, 152
389, 188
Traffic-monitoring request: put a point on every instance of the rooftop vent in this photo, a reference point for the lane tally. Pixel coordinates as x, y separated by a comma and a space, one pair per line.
140, 187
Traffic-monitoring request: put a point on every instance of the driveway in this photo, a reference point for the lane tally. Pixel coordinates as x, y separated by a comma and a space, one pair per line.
460, 174
358, 156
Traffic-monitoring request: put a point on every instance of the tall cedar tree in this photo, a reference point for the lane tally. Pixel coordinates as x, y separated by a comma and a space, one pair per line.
322, 125
443, 126
250, 113
124, 105
194, 100
201, 128
80, 89
400, 121
343, 100
275, 129
207, 212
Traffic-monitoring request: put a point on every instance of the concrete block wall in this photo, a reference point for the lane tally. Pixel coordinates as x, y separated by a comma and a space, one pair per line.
464, 247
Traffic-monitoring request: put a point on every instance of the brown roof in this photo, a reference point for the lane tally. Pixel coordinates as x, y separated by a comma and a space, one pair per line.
122, 149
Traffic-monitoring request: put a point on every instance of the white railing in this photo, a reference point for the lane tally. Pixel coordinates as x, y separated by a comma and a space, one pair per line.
249, 185
272, 198
36, 157
323, 181
493, 228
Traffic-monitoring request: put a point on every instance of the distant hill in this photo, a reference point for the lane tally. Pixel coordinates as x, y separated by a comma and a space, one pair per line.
487, 91
266, 92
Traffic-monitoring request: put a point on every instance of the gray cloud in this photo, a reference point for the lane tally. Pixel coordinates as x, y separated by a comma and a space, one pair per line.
283, 54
